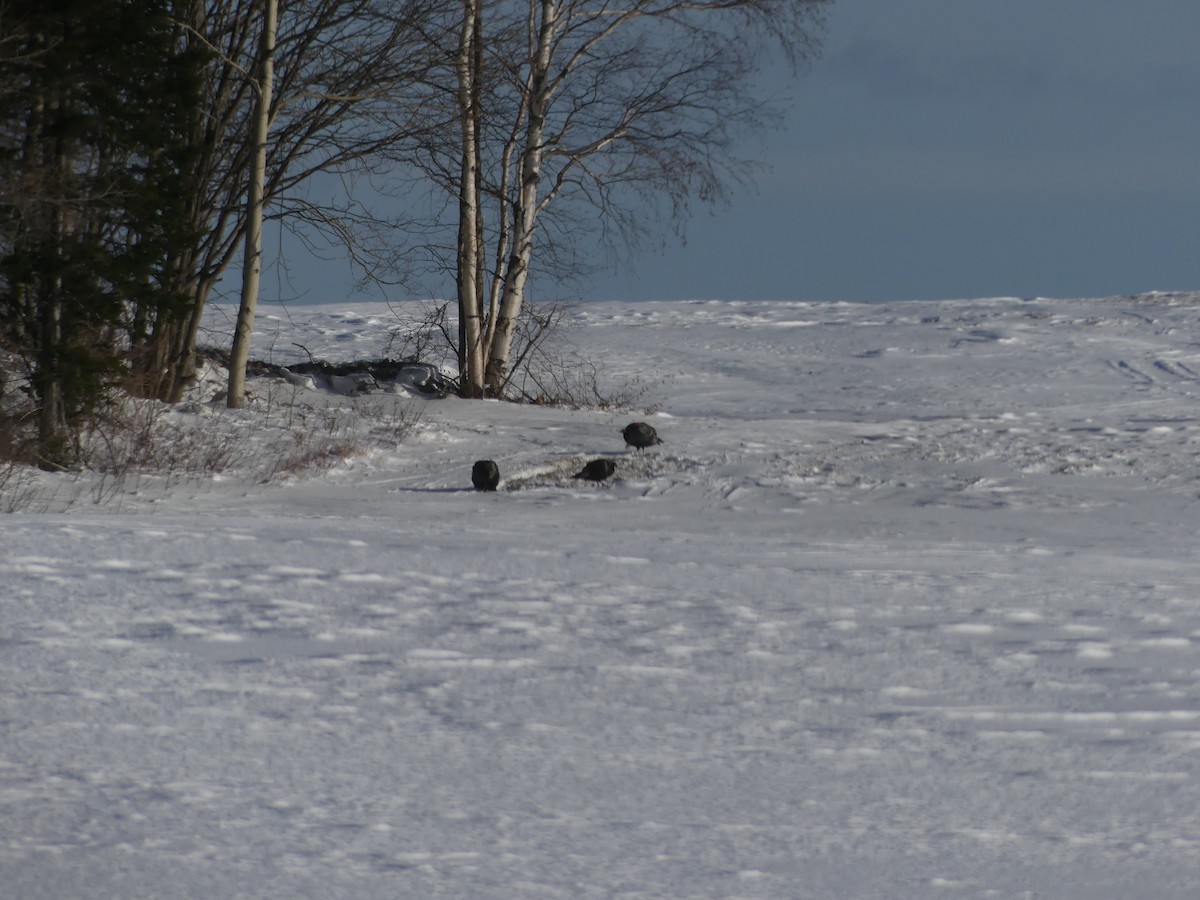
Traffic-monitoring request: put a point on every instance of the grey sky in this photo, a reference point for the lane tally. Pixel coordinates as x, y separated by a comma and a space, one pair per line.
968, 148
954, 149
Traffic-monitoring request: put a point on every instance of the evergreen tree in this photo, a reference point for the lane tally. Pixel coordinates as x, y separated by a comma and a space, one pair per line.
92, 105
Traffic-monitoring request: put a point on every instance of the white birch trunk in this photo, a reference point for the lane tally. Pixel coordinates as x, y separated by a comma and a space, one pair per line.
503, 236
526, 207
252, 261
469, 300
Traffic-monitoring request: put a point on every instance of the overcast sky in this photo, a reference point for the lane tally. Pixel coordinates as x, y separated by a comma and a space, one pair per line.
957, 149
968, 148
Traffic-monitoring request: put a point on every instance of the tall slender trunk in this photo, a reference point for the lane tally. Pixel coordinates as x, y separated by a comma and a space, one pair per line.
470, 301
252, 262
480, 246
525, 208
181, 353
162, 366
503, 238
53, 452
180, 366
52, 415
167, 363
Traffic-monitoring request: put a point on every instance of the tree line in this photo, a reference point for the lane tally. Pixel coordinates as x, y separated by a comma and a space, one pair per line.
143, 142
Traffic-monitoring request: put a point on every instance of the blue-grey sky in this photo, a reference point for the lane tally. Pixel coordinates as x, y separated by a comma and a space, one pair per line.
953, 149
967, 148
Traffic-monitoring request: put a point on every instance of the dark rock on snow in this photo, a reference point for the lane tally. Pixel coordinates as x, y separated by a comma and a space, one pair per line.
358, 377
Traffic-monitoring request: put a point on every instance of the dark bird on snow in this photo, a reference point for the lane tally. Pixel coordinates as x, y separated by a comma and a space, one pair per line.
639, 435
597, 470
485, 475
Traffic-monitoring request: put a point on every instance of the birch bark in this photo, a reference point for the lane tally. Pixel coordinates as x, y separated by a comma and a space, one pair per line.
538, 89
470, 301
252, 264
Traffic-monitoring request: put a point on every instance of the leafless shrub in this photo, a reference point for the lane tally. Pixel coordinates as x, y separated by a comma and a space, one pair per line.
550, 370
135, 446
16, 435
18, 411
547, 367
18, 487
20, 479
135, 437
315, 438
312, 457
424, 332
390, 426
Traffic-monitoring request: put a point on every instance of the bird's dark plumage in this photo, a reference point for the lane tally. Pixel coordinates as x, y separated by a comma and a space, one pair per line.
485, 475
597, 470
639, 435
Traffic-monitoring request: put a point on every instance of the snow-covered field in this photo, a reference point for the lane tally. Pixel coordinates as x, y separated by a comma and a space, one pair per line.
907, 605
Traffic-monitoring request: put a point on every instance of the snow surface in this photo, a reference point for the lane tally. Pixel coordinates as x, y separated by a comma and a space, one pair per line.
907, 605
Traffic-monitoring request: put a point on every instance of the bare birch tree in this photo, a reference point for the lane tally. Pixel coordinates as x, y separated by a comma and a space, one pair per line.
631, 110
252, 258
469, 269
348, 82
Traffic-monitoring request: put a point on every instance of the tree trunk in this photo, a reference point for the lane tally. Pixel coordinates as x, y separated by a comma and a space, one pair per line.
525, 210
164, 364
252, 261
470, 302
162, 353
181, 353
53, 450
52, 415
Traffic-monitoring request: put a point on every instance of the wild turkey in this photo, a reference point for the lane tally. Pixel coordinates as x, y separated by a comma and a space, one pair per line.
597, 470
639, 435
485, 475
